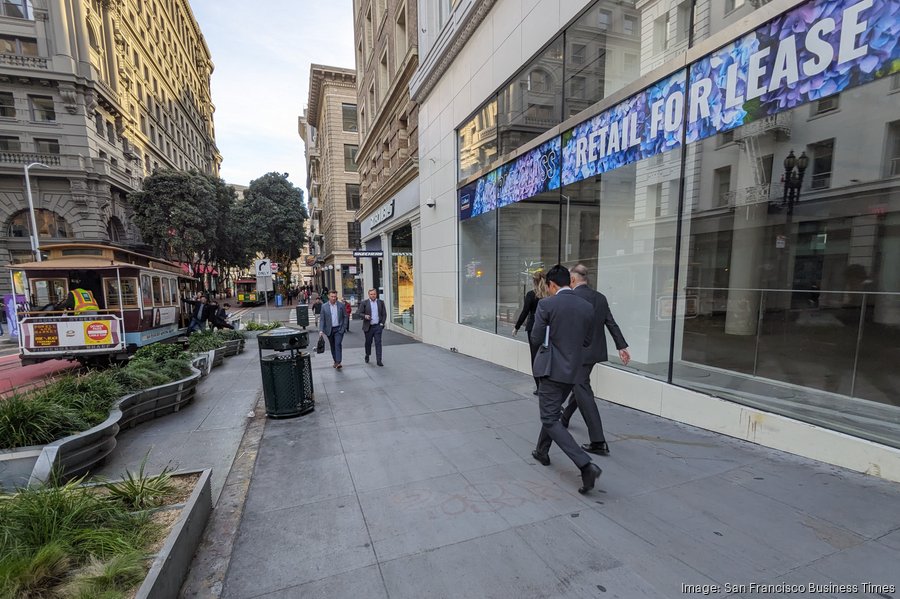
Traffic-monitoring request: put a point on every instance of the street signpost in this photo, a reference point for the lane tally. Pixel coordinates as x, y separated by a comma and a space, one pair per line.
264, 281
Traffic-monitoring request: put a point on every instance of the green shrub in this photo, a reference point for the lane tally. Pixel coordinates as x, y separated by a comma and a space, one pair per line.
253, 326
161, 352
141, 491
204, 341
231, 334
33, 420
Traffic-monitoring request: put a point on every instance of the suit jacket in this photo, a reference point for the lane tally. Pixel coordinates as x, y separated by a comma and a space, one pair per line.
527, 314
365, 309
602, 317
325, 318
571, 322
199, 310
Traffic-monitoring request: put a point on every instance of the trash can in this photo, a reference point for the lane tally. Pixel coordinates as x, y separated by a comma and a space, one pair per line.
279, 300
303, 315
287, 374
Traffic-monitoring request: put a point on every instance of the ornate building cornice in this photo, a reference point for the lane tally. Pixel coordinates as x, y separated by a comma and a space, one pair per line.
446, 48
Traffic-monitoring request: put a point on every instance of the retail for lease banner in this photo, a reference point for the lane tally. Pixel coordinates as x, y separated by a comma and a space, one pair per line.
818, 49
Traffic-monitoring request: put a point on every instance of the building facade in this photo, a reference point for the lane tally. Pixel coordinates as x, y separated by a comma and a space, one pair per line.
388, 215
102, 93
330, 132
728, 171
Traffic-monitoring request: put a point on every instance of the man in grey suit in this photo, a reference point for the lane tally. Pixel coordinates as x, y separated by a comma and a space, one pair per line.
583, 395
332, 324
374, 315
563, 324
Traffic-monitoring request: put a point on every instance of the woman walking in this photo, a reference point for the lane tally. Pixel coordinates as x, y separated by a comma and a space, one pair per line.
538, 291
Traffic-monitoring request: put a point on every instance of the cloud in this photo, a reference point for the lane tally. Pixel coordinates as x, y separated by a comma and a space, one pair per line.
262, 53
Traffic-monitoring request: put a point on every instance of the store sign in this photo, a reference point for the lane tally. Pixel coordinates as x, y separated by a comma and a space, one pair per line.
385, 212
368, 253
816, 50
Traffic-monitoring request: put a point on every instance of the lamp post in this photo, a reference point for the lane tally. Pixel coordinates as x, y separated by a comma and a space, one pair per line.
793, 180
34, 230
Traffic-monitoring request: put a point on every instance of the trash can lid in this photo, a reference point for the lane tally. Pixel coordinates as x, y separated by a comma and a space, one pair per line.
284, 338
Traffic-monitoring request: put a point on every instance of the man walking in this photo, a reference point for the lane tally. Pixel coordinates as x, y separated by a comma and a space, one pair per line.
374, 315
583, 395
563, 324
199, 313
332, 323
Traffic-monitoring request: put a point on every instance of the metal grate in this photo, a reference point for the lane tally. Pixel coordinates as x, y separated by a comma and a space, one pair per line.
287, 385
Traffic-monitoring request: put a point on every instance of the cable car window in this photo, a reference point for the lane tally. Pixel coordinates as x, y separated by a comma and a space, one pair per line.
47, 291
173, 288
145, 291
157, 292
129, 293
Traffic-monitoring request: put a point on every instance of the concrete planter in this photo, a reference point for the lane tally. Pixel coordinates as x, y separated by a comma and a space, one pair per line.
233, 347
218, 356
172, 563
203, 362
77, 454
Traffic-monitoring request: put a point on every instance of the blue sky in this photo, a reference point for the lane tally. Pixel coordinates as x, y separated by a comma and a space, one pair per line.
262, 52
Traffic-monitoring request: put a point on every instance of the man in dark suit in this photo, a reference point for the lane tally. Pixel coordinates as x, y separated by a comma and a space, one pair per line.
332, 324
563, 324
583, 395
374, 317
200, 313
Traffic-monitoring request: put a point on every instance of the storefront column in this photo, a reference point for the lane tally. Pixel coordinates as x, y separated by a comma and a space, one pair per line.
744, 273
416, 225
386, 269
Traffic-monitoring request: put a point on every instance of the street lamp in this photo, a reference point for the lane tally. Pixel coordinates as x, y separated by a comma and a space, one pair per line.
34, 230
793, 180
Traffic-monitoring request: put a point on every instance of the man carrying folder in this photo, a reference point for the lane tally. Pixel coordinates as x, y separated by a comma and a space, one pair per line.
563, 324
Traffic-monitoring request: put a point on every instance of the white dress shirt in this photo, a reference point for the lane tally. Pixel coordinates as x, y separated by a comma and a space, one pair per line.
373, 309
334, 315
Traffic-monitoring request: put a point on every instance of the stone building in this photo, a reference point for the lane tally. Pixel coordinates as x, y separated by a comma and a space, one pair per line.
329, 129
386, 58
102, 93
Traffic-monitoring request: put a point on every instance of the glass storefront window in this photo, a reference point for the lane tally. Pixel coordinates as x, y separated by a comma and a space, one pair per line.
348, 284
532, 102
528, 240
478, 140
478, 272
402, 284
600, 61
791, 286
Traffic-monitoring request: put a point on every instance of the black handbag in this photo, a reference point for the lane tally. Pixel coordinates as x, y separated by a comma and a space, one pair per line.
320, 346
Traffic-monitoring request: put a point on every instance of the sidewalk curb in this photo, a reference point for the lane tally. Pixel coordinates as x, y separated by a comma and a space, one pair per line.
210, 564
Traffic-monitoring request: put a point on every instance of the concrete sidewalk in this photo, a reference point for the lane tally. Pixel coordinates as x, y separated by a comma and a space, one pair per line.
415, 480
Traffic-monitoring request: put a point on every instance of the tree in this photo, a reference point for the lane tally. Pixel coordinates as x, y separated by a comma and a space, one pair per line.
189, 217
273, 214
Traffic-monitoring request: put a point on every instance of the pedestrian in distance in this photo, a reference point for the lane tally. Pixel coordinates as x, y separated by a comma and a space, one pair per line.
374, 315
349, 310
538, 291
582, 395
332, 324
563, 325
199, 312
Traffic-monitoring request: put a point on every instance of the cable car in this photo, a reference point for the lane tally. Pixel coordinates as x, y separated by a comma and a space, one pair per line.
138, 301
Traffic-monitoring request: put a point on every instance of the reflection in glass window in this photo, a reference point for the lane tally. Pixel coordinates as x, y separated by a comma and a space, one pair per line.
348, 117
402, 281
7, 105
42, 109
477, 140
532, 102
129, 292
478, 271
804, 261
157, 292
146, 291
350, 158
48, 291
528, 240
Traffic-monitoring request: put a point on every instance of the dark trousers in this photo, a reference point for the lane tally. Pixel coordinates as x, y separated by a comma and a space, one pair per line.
374, 334
583, 401
196, 325
534, 350
335, 339
551, 395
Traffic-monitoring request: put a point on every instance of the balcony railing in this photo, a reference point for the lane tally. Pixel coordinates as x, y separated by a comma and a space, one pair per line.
29, 62
28, 157
777, 123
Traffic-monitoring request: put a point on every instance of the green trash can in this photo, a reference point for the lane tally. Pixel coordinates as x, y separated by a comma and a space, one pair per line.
303, 315
287, 374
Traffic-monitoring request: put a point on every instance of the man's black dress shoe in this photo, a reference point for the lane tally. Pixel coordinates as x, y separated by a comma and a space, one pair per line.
543, 458
379, 363
598, 448
589, 475
367, 358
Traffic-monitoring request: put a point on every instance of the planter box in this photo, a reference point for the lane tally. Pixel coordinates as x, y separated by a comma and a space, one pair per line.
233, 347
172, 563
76, 454
218, 356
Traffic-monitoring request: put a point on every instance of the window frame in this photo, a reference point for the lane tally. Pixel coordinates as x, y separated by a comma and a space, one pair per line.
352, 157
347, 196
345, 107
110, 295
35, 109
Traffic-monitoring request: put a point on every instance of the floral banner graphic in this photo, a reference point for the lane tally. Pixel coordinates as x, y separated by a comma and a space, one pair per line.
816, 50
644, 125
529, 175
